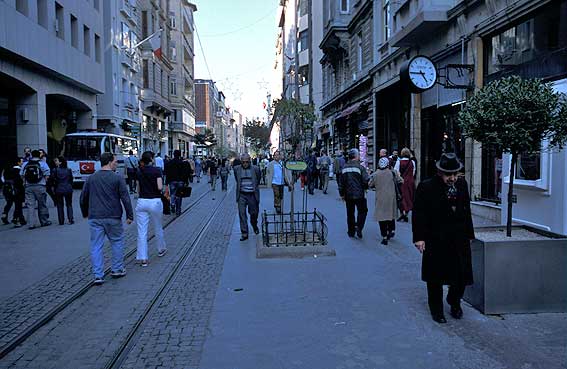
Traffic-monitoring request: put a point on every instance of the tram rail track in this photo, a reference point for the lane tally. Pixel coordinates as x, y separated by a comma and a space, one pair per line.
126, 345
53, 312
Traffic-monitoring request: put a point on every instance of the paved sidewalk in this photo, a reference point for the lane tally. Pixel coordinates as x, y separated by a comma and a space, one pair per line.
364, 308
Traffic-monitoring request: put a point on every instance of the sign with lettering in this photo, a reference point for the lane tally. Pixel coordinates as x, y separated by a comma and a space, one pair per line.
297, 166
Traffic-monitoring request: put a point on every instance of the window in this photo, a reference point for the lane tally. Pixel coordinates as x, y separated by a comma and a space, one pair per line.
125, 36
359, 51
125, 97
87, 40
22, 7
96, 4
344, 6
59, 21
386, 13
173, 87
161, 87
74, 32
173, 51
172, 21
42, 13
145, 74
144, 24
97, 48
303, 8
133, 94
529, 167
154, 75
303, 40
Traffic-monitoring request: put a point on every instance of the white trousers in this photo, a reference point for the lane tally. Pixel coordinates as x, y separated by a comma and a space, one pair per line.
147, 209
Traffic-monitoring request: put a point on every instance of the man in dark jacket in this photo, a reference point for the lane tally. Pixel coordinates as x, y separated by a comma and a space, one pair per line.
353, 183
177, 174
442, 230
247, 195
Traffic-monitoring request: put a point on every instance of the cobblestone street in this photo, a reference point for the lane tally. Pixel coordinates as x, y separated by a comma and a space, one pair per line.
364, 308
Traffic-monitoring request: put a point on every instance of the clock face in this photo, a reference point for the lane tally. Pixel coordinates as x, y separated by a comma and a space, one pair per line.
422, 73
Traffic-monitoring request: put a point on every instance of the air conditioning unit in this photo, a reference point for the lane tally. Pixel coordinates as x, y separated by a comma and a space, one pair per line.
354, 77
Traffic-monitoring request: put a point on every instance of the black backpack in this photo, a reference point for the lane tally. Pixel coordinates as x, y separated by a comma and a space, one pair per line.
32, 172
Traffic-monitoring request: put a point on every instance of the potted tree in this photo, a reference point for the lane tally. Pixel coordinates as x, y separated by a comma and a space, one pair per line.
517, 116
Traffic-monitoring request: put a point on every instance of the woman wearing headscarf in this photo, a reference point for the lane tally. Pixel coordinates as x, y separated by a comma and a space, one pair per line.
406, 169
385, 180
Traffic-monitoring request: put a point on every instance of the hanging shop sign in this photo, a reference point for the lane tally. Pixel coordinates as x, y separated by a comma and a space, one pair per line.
298, 166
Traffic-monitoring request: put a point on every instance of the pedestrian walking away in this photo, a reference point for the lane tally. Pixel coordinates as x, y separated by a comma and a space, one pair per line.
159, 162
103, 196
311, 172
212, 169
385, 181
36, 175
247, 178
63, 190
406, 168
352, 188
131, 164
442, 232
149, 207
324, 167
278, 177
338, 165
198, 169
177, 174
223, 172
14, 193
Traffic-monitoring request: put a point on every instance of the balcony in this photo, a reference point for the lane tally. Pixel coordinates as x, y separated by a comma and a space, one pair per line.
304, 94
303, 23
303, 58
335, 39
416, 21
181, 127
125, 59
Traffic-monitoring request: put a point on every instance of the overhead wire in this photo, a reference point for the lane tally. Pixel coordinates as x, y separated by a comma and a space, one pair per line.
202, 51
272, 11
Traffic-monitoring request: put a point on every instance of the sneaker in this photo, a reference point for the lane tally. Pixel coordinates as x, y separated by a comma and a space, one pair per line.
98, 281
384, 241
359, 234
46, 224
23, 222
71, 222
118, 273
5, 220
144, 263
17, 224
162, 252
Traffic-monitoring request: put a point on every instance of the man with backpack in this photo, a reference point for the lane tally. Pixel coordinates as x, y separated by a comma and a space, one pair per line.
35, 173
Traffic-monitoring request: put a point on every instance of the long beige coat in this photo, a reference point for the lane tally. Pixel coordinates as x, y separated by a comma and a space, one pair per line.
385, 207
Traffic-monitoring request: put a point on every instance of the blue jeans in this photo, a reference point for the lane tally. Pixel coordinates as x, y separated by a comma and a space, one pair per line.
111, 228
175, 200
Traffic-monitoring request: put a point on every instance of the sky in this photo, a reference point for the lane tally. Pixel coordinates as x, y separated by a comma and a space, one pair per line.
238, 40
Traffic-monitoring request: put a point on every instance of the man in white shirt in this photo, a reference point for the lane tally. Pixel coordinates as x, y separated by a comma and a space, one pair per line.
278, 177
159, 161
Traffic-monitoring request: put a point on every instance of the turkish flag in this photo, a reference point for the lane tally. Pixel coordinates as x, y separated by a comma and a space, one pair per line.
156, 45
87, 167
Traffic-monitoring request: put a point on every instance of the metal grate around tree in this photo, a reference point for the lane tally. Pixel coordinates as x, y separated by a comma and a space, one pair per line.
302, 229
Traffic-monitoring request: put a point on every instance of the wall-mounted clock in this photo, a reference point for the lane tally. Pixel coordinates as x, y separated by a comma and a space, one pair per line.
419, 73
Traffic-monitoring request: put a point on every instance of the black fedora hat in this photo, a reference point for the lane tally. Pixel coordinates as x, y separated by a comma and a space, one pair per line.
449, 163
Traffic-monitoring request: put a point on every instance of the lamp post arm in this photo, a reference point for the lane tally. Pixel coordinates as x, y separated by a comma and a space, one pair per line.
146, 39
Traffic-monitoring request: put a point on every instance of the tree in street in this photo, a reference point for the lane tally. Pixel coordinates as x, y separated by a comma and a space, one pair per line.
257, 135
516, 116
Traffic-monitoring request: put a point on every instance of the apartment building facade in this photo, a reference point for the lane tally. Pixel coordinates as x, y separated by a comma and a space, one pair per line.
119, 107
181, 83
51, 71
156, 75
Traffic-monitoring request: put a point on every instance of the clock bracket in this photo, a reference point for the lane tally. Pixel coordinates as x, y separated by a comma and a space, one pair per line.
456, 76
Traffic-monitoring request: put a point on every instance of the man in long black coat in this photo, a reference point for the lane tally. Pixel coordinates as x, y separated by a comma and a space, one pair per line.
442, 231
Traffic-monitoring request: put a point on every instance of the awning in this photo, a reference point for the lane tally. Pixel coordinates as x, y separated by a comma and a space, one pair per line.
351, 109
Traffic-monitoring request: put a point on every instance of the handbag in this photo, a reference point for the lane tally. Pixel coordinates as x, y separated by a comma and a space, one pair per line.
183, 192
397, 187
166, 205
